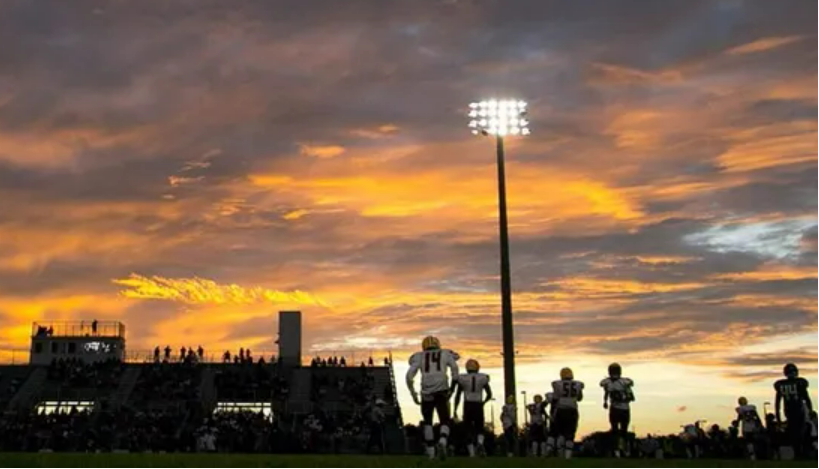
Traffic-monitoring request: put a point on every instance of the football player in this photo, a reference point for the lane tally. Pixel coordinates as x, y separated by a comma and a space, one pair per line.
509, 420
476, 390
793, 390
617, 390
537, 425
750, 424
567, 392
433, 363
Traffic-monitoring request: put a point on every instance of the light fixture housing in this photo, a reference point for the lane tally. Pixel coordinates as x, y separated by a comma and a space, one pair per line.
498, 117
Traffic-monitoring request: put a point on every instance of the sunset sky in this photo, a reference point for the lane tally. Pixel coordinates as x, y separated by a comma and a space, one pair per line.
192, 167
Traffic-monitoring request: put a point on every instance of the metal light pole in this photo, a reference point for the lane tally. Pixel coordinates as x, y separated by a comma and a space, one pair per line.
500, 118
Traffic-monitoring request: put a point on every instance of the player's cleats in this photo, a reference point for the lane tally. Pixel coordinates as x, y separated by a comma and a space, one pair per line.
566, 373
430, 342
472, 366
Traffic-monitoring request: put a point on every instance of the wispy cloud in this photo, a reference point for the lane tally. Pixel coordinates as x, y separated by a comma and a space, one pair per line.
203, 291
762, 45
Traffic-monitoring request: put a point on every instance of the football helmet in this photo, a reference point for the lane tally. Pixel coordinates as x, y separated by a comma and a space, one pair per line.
742, 401
790, 370
430, 342
615, 370
472, 366
566, 373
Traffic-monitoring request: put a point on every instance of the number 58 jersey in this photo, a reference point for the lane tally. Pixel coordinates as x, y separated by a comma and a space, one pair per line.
433, 365
566, 393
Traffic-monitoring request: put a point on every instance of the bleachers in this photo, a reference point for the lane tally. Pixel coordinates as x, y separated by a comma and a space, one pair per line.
164, 406
12, 378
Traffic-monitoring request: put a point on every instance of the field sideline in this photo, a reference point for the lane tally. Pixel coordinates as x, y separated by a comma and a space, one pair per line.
276, 460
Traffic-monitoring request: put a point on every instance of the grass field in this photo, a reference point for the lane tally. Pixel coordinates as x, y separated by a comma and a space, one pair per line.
271, 460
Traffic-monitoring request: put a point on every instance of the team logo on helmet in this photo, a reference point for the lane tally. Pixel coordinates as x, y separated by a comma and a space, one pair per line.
791, 371
742, 401
566, 373
615, 370
430, 342
472, 365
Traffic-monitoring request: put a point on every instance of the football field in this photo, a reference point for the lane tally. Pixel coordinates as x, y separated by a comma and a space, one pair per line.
276, 460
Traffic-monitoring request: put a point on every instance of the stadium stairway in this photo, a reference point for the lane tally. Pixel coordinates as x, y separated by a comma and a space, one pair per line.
126, 385
29, 390
301, 383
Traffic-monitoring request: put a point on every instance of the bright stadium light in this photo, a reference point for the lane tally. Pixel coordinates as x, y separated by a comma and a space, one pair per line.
505, 117
501, 118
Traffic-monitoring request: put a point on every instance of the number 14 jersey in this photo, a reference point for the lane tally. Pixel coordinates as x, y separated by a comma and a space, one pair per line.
433, 365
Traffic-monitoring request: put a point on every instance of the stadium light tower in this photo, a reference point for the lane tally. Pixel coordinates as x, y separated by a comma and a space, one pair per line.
501, 118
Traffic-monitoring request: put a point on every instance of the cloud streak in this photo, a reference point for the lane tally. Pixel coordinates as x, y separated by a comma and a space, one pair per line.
203, 291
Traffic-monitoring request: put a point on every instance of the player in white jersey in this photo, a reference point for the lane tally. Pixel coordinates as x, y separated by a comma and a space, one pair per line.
750, 424
433, 363
617, 390
509, 420
474, 385
537, 425
567, 392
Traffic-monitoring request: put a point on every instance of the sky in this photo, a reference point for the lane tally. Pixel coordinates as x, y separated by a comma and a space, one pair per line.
190, 168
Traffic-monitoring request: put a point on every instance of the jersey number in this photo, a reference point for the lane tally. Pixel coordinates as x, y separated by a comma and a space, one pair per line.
429, 359
569, 390
789, 391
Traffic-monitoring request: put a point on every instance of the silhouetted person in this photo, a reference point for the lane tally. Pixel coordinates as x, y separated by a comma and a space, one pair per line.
201, 353
242, 355
167, 353
183, 353
50, 331
370, 362
226, 357
156, 354
343, 362
94, 324
248, 357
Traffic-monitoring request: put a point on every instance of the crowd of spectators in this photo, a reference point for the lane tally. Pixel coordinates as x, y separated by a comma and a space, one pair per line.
75, 373
254, 381
341, 362
166, 382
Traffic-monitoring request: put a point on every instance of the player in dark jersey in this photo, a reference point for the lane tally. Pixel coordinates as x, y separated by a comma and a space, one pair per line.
793, 390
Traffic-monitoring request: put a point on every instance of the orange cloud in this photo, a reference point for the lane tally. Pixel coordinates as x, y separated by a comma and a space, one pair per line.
322, 151
762, 45
203, 291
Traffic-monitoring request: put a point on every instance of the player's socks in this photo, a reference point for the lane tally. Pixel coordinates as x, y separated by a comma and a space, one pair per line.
471, 448
751, 452
543, 449
429, 437
534, 448
550, 446
569, 449
480, 439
